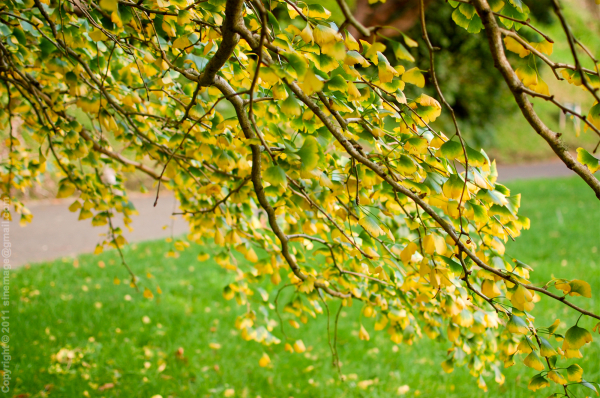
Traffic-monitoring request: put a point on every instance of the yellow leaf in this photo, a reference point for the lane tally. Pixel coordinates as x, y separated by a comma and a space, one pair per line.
109, 5
527, 75
543, 47
522, 299
516, 47
414, 76
292, 12
251, 256
429, 244
181, 42
307, 34
148, 293
97, 35
490, 289
533, 361
311, 83
299, 346
264, 360
363, 334
408, 251
541, 87
351, 43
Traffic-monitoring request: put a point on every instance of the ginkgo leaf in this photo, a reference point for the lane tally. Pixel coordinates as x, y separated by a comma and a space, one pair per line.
527, 75
371, 49
594, 116
513, 45
337, 83
526, 345
275, 175
386, 72
181, 42
414, 76
543, 46
522, 299
298, 63
574, 373
311, 83
307, 34
490, 289
472, 25
401, 52
351, 42
587, 159
408, 252
309, 154
354, 57
534, 361
97, 35
448, 365
109, 5
541, 87
291, 106
556, 377
416, 145
517, 325
576, 337
546, 349
452, 150
324, 35
538, 382
476, 158
371, 225
65, 189
453, 188
279, 91
406, 165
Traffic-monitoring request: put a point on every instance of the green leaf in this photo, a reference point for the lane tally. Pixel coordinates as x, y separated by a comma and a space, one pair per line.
476, 158
517, 325
574, 372
65, 189
290, 106
298, 63
586, 158
337, 83
472, 25
537, 382
546, 349
589, 385
309, 154
406, 165
275, 175
519, 5
451, 150
576, 337
416, 145
371, 225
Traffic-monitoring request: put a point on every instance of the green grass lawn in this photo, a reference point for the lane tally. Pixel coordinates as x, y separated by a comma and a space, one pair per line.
125, 345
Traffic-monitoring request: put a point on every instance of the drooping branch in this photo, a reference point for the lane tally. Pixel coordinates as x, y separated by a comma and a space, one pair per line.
494, 35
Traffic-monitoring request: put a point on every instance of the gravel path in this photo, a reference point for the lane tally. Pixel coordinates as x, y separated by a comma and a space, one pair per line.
55, 231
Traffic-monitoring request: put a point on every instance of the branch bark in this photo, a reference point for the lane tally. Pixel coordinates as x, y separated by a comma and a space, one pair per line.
494, 35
